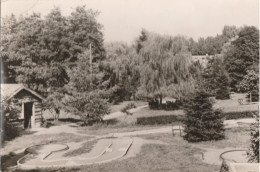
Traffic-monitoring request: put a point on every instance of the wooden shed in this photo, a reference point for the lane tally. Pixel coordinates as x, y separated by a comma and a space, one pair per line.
29, 100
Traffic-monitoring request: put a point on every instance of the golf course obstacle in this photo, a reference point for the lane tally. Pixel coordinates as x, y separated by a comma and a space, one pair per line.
106, 150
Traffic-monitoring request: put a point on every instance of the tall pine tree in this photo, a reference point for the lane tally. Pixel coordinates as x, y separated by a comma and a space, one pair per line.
202, 123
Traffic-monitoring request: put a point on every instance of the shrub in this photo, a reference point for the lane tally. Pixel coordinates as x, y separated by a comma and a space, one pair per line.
223, 93
44, 123
119, 94
239, 115
254, 96
253, 152
10, 115
127, 107
224, 167
153, 104
201, 122
90, 106
155, 120
169, 105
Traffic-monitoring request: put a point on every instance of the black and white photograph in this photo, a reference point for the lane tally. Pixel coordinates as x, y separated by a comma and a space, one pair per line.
129, 86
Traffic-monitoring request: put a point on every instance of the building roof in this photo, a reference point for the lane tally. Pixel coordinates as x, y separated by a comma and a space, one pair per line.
10, 90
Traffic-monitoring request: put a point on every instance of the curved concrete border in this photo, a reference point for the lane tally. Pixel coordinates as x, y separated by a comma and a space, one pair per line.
26, 166
66, 148
19, 164
235, 150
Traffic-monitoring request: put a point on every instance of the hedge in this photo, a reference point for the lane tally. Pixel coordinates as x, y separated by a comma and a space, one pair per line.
154, 120
239, 115
168, 119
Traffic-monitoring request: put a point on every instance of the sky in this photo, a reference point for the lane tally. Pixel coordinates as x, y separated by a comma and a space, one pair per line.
123, 20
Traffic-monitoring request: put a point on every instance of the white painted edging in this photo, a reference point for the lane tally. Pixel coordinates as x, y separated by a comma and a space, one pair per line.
26, 166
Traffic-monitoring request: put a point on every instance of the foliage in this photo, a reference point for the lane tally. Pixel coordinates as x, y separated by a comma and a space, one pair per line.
40, 51
121, 71
242, 54
239, 115
49, 55
253, 95
90, 106
85, 95
10, 114
223, 91
169, 105
212, 45
250, 82
35, 51
165, 64
216, 78
253, 152
224, 167
201, 122
128, 107
157, 120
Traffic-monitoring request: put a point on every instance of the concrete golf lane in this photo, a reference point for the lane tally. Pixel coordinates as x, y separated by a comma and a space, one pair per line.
46, 155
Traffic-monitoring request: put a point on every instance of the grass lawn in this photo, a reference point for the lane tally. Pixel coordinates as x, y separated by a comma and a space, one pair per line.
146, 112
232, 104
238, 137
9, 158
85, 148
108, 129
25, 141
121, 105
176, 155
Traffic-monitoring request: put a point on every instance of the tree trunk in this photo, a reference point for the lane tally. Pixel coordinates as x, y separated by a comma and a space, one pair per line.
57, 114
161, 101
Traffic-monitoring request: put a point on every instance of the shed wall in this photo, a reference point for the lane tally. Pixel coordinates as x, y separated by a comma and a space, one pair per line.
24, 97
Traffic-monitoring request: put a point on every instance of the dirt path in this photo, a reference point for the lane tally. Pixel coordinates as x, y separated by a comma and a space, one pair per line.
72, 128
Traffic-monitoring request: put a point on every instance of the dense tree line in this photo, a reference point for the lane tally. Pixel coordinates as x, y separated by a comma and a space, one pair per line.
65, 59
242, 54
50, 55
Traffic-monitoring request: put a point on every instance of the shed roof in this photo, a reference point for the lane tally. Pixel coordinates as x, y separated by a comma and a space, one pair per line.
10, 90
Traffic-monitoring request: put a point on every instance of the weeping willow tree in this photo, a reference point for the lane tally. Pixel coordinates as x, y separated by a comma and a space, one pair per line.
165, 67
122, 69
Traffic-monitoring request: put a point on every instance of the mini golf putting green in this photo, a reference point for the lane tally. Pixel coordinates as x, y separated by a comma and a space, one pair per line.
237, 156
40, 156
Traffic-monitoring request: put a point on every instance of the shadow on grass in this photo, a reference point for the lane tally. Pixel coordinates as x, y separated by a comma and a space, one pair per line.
10, 160
61, 121
110, 122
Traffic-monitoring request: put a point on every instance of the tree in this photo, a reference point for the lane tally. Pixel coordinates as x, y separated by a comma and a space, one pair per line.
86, 93
253, 152
250, 84
8, 30
242, 54
164, 61
213, 45
40, 52
250, 81
10, 112
202, 123
122, 69
216, 78
223, 90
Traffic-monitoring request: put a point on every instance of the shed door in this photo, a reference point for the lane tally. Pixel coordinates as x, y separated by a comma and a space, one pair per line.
28, 112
